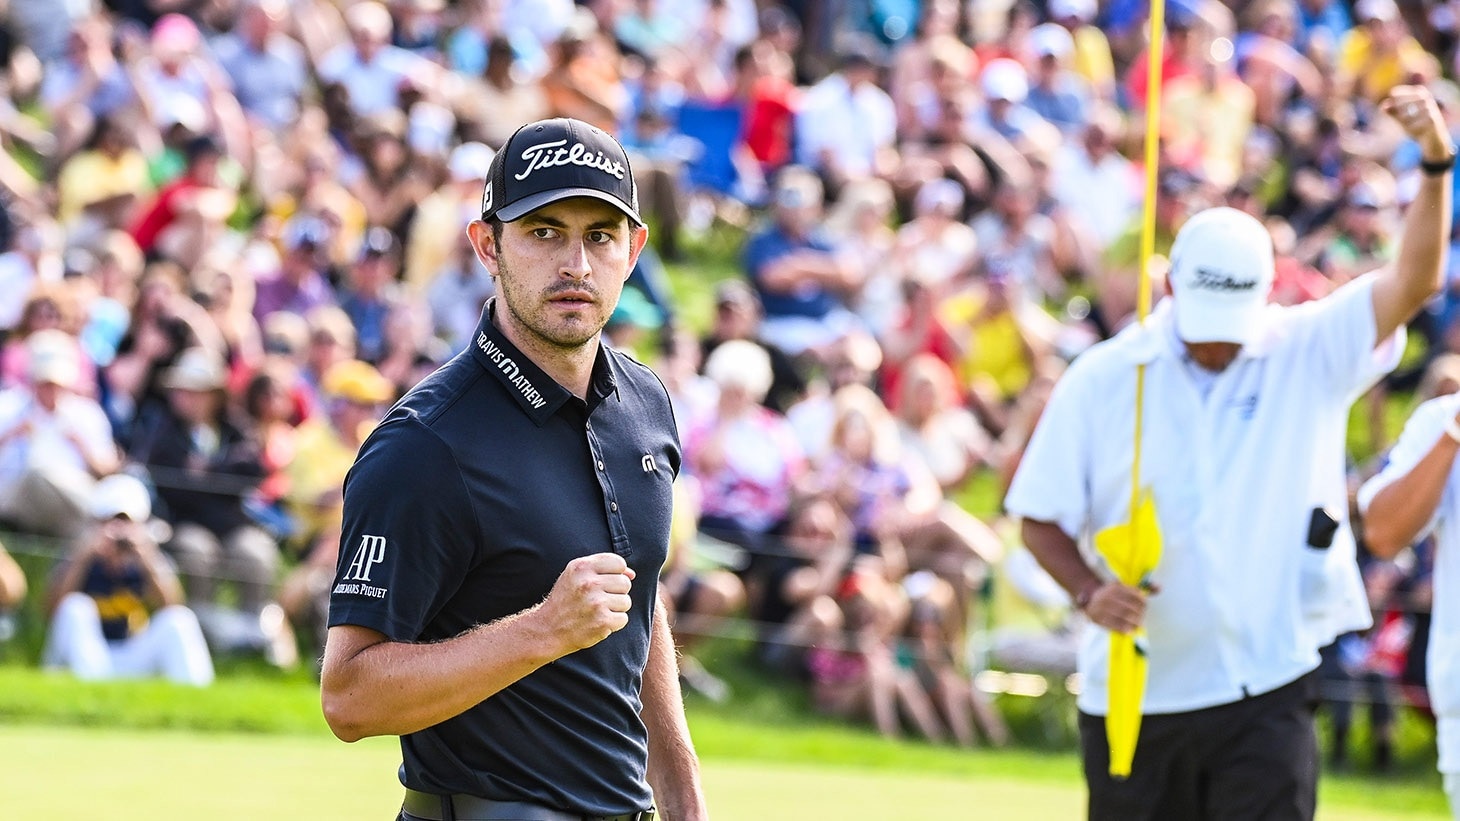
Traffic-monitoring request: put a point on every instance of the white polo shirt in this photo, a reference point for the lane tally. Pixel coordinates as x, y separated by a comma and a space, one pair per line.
1421, 432
1235, 474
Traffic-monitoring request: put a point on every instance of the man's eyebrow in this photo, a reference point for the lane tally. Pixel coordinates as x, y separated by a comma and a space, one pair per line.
607, 224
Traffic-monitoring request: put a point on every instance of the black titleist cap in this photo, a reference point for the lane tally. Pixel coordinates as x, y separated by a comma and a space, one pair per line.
552, 160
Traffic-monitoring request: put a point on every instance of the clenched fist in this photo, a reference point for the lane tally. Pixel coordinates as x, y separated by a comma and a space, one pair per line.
590, 600
1415, 109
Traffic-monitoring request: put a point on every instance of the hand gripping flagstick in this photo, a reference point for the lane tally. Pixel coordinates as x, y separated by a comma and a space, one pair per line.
1132, 548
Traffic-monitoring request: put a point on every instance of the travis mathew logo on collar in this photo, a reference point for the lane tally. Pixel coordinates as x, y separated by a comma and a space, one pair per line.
1221, 281
509, 368
551, 154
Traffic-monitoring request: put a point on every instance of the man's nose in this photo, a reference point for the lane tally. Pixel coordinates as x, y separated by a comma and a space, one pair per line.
575, 261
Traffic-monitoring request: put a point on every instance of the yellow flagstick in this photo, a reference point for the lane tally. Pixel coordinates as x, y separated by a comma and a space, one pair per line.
1132, 548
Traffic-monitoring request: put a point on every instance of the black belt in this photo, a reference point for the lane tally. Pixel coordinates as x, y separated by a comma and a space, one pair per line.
471, 808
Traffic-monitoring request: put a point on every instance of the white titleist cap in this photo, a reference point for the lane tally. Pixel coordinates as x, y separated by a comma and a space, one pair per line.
1221, 273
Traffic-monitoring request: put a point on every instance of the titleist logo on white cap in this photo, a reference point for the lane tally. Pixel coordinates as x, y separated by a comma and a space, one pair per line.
1214, 280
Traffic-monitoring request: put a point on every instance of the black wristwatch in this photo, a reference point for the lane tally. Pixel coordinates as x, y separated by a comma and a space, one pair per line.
1437, 168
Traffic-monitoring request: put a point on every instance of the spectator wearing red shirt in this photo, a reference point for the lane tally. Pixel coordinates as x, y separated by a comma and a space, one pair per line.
768, 98
1178, 59
178, 222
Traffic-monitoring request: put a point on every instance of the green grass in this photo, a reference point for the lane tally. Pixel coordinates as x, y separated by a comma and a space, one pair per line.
239, 702
707, 260
147, 774
255, 742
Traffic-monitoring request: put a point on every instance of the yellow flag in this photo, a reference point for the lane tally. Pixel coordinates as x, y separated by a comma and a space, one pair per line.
1132, 550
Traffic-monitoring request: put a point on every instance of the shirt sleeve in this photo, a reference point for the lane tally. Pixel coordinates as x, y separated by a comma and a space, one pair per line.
1051, 483
1423, 429
408, 536
1341, 339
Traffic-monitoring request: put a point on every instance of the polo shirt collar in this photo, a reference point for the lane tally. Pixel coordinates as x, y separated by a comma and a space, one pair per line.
536, 393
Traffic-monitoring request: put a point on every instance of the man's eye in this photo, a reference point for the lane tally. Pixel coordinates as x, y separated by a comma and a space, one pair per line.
599, 237
542, 233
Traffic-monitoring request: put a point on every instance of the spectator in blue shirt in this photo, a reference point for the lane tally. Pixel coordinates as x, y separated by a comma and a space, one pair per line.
1056, 93
801, 280
1321, 23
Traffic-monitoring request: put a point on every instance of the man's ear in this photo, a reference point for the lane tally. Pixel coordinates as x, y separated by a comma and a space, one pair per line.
484, 244
637, 240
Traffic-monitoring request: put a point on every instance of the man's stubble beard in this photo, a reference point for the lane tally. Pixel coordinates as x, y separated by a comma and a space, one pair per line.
536, 324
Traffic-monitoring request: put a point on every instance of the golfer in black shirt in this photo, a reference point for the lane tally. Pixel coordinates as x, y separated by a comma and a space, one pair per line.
495, 603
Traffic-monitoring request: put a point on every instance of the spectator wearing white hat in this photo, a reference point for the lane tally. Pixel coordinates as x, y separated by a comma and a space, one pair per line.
204, 467
1057, 93
1005, 86
1092, 58
54, 443
936, 246
115, 604
439, 224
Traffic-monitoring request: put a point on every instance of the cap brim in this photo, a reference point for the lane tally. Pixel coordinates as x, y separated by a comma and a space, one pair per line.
1236, 322
521, 208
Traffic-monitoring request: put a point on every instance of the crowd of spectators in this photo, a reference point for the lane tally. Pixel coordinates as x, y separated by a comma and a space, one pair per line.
232, 234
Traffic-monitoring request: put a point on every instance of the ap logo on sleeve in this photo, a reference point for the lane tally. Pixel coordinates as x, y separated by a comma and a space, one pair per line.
356, 580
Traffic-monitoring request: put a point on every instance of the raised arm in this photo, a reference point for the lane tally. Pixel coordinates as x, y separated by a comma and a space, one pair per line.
1417, 273
372, 686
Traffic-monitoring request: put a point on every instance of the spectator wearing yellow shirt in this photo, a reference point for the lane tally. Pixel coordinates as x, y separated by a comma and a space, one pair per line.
1092, 59
354, 394
441, 217
1381, 53
1206, 117
1001, 353
325, 445
100, 185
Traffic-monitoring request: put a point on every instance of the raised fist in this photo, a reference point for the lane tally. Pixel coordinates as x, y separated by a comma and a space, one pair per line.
590, 600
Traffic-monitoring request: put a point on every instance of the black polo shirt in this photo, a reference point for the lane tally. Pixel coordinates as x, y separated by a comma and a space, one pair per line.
463, 507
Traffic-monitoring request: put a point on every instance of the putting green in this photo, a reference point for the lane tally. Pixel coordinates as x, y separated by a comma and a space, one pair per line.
121, 775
